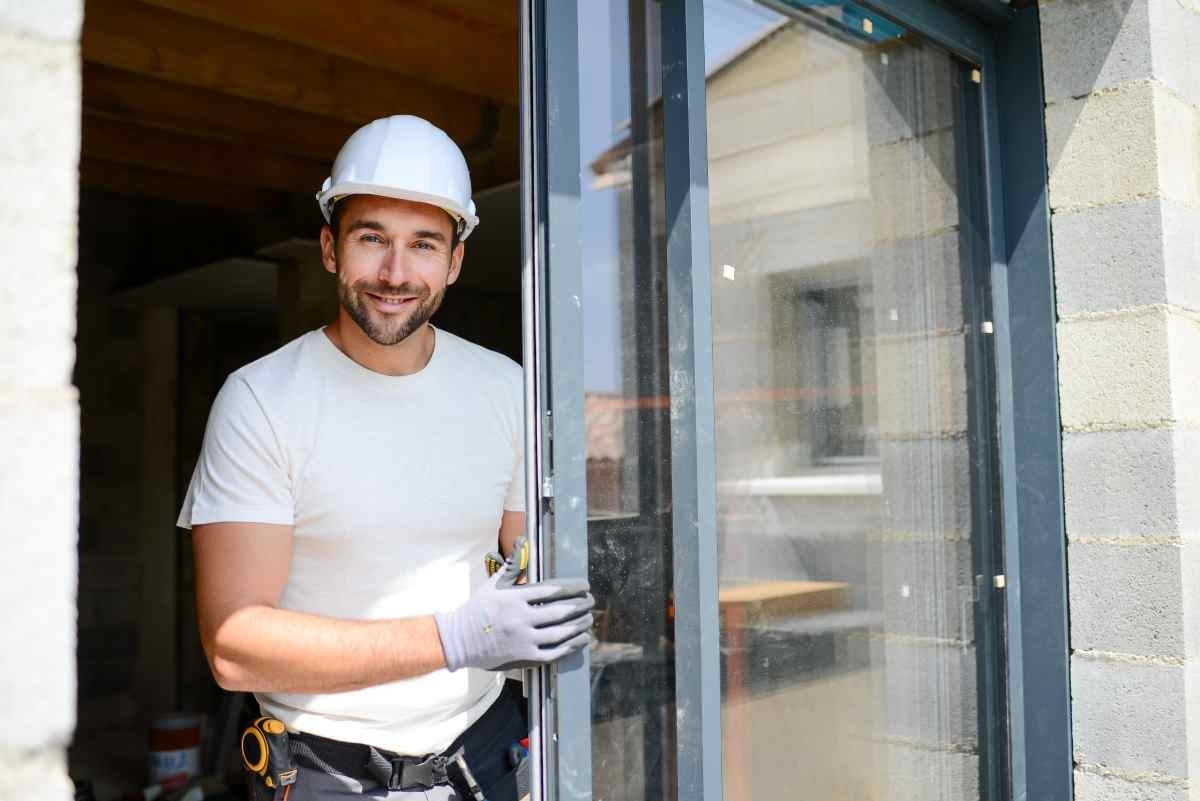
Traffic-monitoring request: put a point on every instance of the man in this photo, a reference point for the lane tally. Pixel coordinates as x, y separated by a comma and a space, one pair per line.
349, 488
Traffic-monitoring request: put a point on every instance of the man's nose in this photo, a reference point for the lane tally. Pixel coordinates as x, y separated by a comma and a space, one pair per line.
396, 269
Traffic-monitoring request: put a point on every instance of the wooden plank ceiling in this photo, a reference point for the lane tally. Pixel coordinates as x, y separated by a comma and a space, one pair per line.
237, 105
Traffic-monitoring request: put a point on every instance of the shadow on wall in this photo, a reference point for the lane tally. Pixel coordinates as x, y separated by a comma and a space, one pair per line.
1104, 117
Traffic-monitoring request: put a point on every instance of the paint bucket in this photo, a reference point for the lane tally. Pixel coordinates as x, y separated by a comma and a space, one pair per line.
175, 749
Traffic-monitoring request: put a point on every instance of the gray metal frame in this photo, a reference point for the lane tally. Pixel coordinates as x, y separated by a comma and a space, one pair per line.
556, 478
693, 446
1038, 647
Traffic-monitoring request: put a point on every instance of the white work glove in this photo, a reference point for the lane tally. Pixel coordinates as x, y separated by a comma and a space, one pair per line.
517, 626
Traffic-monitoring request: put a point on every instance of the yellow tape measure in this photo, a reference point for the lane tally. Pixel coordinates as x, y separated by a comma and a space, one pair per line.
494, 563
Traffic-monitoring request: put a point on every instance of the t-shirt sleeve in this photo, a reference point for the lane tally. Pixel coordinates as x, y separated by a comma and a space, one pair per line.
241, 475
514, 500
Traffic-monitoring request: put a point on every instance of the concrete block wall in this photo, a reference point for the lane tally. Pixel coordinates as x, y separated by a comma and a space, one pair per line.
39, 413
1122, 83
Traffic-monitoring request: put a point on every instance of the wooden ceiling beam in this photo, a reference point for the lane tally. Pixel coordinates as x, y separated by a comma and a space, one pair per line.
213, 159
175, 106
128, 179
152, 41
146, 102
437, 43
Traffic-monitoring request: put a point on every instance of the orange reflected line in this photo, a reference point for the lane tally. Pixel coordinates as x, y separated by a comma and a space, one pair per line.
606, 402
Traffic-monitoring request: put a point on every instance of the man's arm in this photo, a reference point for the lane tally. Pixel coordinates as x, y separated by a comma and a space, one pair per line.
512, 525
252, 645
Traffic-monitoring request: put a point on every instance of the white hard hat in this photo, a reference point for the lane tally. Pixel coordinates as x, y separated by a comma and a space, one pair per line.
403, 157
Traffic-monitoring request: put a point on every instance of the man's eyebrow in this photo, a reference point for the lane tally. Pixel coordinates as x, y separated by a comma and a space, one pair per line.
371, 224
423, 234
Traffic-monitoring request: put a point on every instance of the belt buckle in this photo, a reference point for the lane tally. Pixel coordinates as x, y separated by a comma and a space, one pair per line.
409, 775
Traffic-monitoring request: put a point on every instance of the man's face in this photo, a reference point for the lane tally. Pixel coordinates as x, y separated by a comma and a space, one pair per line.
393, 261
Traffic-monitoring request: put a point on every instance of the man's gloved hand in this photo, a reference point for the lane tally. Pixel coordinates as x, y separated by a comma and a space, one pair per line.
526, 625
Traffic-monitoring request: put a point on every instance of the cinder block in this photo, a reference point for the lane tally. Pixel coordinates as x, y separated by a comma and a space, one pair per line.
1120, 483
1183, 332
1110, 257
1190, 583
1181, 253
1127, 254
1129, 716
913, 186
39, 99
1093, 787
49, 19
38, 500
1089, 45
39, 775
1178, 130
1186, 443
38, 232
909, 93
1175, 44
1102, 148
931, 695
37, 326
1126, 598
926, 486
917, 284
914, 774
922, 385
1115, 370
926, 588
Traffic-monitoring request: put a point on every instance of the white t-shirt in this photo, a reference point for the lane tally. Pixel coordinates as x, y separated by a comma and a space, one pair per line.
395, 488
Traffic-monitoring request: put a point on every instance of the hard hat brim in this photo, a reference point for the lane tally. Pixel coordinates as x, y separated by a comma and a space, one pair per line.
327, 197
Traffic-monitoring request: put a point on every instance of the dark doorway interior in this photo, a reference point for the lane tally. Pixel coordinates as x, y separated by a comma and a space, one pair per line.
207, 129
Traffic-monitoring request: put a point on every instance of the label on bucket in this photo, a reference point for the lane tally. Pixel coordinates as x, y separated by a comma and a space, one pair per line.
169, 767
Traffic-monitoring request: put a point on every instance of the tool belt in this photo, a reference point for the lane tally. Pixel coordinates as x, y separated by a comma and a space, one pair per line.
393, 771
491, 737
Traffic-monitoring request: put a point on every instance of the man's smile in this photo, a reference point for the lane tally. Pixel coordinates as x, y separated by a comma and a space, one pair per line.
391, 303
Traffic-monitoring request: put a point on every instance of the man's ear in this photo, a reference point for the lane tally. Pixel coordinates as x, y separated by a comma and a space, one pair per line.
328, 250
456, 259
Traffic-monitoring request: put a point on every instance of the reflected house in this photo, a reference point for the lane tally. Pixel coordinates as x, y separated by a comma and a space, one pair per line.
840, 365
605, 414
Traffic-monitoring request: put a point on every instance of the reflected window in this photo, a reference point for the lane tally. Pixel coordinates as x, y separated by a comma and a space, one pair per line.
842, 230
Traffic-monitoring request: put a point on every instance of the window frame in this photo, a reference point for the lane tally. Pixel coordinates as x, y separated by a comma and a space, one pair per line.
1004, 43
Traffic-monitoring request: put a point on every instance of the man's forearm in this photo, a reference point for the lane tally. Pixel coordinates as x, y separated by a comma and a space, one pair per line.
264, 649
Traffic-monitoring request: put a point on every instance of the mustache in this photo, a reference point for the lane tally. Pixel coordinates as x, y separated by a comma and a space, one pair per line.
381, 288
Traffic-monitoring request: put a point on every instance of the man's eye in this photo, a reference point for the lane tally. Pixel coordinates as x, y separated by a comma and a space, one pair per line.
423, 245
374, 239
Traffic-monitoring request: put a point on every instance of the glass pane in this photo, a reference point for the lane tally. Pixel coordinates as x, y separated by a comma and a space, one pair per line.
841, 369
628, 470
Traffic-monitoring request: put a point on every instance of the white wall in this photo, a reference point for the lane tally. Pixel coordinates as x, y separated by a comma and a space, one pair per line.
39, 418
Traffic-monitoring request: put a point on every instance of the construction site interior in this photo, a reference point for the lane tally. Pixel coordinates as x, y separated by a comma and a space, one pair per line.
208, 126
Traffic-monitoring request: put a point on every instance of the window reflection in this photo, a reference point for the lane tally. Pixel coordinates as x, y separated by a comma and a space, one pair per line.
840, 360
625, 401
841, 357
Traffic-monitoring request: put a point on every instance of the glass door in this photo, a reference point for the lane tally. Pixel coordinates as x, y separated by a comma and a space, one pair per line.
626, 431
765, 424
857, 524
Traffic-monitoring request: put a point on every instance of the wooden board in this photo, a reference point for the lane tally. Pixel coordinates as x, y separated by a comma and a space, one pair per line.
152, 41
761, 601
426, 41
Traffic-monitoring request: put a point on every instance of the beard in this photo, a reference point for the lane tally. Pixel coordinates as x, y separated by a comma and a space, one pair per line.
387, 329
